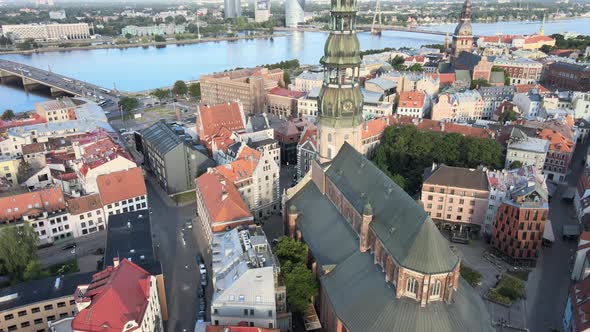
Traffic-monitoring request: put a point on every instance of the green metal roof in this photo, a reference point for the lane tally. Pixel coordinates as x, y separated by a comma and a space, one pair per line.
341, 49
369, 304
401, 224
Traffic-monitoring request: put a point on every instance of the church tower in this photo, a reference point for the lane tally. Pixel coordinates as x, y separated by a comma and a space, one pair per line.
463, 36
340, 102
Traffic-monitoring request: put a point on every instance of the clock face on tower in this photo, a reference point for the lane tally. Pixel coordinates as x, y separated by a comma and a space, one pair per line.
347, 106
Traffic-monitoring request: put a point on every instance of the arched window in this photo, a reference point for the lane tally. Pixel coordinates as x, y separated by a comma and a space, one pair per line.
412, 286
435, 290
329, 137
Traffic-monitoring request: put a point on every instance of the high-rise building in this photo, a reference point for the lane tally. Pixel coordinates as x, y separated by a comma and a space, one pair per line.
294, 13
232, 8
463, 36
262, 11
340, 103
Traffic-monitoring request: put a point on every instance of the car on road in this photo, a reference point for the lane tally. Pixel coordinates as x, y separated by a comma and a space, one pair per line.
202, 305
201, 292
202, 269
69, 246
203, 280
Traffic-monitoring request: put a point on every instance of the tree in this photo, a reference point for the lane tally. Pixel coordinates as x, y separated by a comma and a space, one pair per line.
128, 103
286, 79
508, 116
161, 94
479, 83
34, 271
290, 250
194, 90
169, 19
179, 19
398, 62
301, 286
159, 38
5, 41
27, 44
8, 115
515, 164
179, 88
18, 247
128, 36
416, 67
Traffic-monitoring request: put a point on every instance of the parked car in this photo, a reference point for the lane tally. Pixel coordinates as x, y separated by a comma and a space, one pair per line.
202, 305
201, 292
202, 269
203, 280
201, 316
69, 246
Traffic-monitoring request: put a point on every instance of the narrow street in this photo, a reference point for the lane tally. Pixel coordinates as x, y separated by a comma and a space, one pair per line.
549, 282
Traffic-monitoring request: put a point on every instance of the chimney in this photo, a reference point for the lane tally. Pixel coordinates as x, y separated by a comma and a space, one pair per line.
116, 261
367, 218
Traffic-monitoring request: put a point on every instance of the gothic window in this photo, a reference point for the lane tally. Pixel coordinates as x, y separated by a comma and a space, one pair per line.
435, 290
412, 286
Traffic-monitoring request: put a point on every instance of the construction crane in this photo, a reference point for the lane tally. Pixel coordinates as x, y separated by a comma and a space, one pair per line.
376, 27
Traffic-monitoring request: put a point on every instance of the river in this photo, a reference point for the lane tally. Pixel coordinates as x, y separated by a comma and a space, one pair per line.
137, 69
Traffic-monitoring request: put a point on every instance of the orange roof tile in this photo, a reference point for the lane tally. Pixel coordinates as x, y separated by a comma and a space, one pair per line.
221, 198
117, 186
16, 206
557, 142
413, 99
374, 127
210, 119
286, 93
522, 88
536, 39
77, 205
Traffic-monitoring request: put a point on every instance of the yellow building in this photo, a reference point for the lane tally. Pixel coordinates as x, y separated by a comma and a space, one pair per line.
9, 168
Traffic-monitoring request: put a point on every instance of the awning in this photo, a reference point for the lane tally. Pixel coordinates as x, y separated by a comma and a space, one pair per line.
310, 319
571, 230
548, 233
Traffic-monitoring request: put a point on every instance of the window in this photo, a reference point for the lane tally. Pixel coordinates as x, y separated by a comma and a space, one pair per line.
241, 298
35, 310
232, 298
48, 307
270, 313
251, 312
412, 286
25, 324
38, 321
429, 197
50, 318
8, 317
12, 328
63, 315
245, 312
435, 290
61, 304
258, 298
22, 313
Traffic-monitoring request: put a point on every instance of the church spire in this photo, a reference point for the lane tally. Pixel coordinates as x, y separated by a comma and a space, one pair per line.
542, 29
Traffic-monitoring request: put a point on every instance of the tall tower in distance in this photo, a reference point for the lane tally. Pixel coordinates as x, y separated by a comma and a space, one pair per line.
542, 29
294, 13
340, 102
232, 8
463, 36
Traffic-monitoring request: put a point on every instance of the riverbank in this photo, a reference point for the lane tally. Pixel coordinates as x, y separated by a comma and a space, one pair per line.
135, 45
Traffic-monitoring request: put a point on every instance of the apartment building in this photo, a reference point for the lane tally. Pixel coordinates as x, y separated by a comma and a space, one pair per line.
308, 80
32, 305
581, 105
456, 197
47, 32
213, 120
307, 106
306, 150
58, 110
521, 70
559, 155
282, 102
220, 206
568, 76
383, 86
518, 229
526, 150
9, 168
529, 104
245, 281
172, 157
123, 297
458, 107
86, 214
493, 97
502, 182
122, 191
414, 104
247, 86
256, 176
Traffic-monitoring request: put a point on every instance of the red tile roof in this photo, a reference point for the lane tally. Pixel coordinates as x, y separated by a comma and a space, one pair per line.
31, 203
117, 295
210, 119
536, 39
33, 119
374, 127
505, 39
522, 88
243, 167
77, 205
557, 142
309, 134
221, 199
413, 99
117, 186
286, 93
441, 127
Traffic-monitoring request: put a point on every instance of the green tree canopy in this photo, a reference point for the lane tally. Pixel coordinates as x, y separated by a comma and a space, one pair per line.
289, 249
194, 90
18, 247
179, 88
508, 115
169, 19
34, 271
128, 36
161, 94
479, 83
286, 79
128, 103
159, 38
301, 286
8, 115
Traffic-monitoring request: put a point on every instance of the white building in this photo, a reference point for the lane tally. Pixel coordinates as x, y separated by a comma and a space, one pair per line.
308, 80
244, 279
526, 150
86, 214
307, 106
529, 104
122, 191
47, 32
581, 105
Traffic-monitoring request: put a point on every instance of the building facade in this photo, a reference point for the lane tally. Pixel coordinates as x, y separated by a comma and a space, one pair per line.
521, 71
47, 32
294, 13
526, 150
413, 104
122, 191
458, 107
